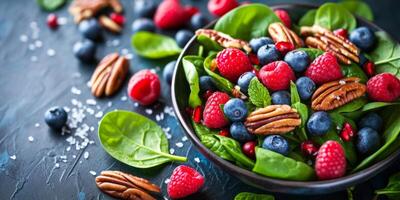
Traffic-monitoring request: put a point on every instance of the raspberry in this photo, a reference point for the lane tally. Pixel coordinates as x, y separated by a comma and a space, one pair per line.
220, 7
118, 18
347, 132
383, 87
341, 32
171, 14
324, 68
284, 16
144, 87
52, 21
213, 115
277, 75
232, 63
331, 161
184, 181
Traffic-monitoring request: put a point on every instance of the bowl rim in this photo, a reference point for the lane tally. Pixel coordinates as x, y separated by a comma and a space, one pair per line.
280, 184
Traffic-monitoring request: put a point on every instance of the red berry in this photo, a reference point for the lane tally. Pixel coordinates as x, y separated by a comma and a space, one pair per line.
324, 68
220, 7
347, 132
144, 87
213, 115
284, 16
171, 14
224, 132
341, 32
284, 47
383, 87
184, 181
207, 94
52, 21
117, 18
232, 63
369, 68
189, 111
331, 161
249, 149
197, 113
309, 148
254, 59
277, 75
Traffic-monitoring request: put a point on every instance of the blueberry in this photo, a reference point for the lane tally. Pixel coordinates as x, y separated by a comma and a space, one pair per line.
305, 87
267, 54
257, 43
144, 8
198, 21
363, 59
363, 38
244, 81
319, 123
169, 71
281, 97
371, 120
235, 110
90, 29
182, 37
239, 132
298, 60
143, 24
367, 141
206, 83
84, 50
56, 117
277, 144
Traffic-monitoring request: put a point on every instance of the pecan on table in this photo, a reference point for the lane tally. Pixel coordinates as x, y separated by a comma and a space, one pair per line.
84, 9
280, 33
224, 40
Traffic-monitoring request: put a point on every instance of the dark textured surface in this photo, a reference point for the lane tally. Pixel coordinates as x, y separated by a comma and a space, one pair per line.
30, 88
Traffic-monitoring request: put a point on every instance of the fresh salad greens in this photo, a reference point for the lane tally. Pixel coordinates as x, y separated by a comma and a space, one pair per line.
253, 196
392, 190
154, 46
258, 94
192, 76
334, 16
359, 8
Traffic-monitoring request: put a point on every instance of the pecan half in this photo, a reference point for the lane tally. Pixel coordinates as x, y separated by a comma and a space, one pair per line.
280, 33
126, 186
273, 119
109, 75
337, 93
84, 9
224, 40
109, 24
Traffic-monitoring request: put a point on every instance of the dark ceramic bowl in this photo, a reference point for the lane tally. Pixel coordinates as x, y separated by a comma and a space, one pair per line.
180, 91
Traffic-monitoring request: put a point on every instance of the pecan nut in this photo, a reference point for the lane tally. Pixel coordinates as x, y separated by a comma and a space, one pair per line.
109, 75
84, 9
337, 93
224, 40
280, 33
273, 119
109, 24
126, 186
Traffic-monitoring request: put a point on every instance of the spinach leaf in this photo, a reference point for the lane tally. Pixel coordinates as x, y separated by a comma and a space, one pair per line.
208, 43
275, 165
353, 70
202, 130
368, 107
220, 82
134, 140
312, 52
253, 196
198, 62
50, 5
308, 18
392, 190
334, 16
214, 144
301, 109
154, 46
246, 22
352, 106
235, 150
258, 94
294, 94
359, 8
192, 78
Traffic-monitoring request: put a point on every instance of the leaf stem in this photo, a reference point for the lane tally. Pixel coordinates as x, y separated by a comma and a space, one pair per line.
380, 62
176, 158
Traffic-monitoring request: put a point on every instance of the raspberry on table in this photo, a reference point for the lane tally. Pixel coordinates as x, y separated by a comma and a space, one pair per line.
331, 161
232, 63
383, 87
184, 181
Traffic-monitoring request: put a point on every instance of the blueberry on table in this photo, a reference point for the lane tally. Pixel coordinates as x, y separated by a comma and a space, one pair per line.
182, 37
239, 132
206, 83
257, 43
367, 141
277, 144
198, 21
244, 81
363, 38
319, 123
267, 54
235, 110
371, 120
169, 71
281, 97
90, 29
298, 60
306, 88
144, 8
143, 24
85, 50
56, 117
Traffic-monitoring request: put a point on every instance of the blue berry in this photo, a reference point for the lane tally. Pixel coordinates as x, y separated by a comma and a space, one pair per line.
235, 110
363, 59
244, 81
198, 21
319, 123
267, 54
239, 132
169, 71
371, 120
90, 29
281, 97
56, 117
182, 37
298, 60
363, 38
277, 144
144, 8
305, 87
206, 83
85, 50
367, 141
257, 43
143, 24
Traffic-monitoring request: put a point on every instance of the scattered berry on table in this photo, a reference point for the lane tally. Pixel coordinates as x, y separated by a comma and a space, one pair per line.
330, 162
371, 120
383, 87
277, 144
170, 14
341, 32
298, 60
224, 132
117, 18
144, 8
244, 81
276, 75
182, 37
144, 87
235, 110
213, 115
249, 149
232, 63
367, 141
324, 68
284, 47
220, 7
239, 132
184, 181
306, 87
319, 123
84, 50
52, 21
284, 17
363, 38
347, 133
198, 21
56, 117
267, 54
90, 29
369, 68
168, 71
143, 24
197, 114
309, 148
257, 43
206, 83
281, 97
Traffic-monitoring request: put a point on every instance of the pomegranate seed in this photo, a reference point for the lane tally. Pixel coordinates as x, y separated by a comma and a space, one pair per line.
253, 59
224, 132
341, 32
347, 132
249, 148
52, 21
369, 68
197, 113
207, 94
309, 148
117, 18
284, 47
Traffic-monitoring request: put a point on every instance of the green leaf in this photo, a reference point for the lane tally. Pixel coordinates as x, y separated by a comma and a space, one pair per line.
352, 106
275, 165
353, 70
312, 53
334, 16
50, 5
359, 8
368, 107
208, 43
154, 46
308, 18
214, 144
192, 78
220, 82
253, 196
235, 150
303, 112
392, 190
258, 94
134, 140
247, 21
202, 130
294, 94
